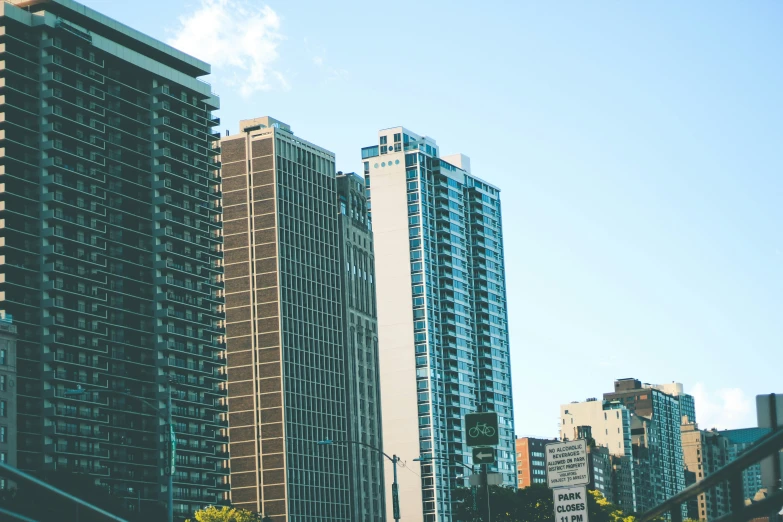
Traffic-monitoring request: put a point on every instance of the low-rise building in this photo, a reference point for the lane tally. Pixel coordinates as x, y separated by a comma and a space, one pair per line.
531, 461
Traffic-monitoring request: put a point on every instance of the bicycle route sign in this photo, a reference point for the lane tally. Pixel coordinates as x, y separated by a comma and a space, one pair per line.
481, 429
566, 464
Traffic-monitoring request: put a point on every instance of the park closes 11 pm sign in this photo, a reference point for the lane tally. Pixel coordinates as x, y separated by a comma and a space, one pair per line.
566, 464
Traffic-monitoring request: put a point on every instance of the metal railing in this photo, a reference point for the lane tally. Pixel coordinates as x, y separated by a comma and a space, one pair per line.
732, 473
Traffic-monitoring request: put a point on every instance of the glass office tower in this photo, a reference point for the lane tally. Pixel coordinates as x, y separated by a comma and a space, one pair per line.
442, 317
110, 252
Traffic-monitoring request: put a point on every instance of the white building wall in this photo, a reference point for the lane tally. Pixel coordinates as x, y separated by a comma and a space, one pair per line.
397, 361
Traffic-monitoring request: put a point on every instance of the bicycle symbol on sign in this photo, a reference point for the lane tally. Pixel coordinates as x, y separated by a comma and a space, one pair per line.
481, 429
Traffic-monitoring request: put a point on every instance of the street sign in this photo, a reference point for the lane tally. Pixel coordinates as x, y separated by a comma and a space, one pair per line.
493, 479
484, 456
481, 429
395, 502
171, 451
566, 464
570, 504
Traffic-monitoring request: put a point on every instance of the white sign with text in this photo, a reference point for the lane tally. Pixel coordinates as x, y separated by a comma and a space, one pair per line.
570, 504
566, 464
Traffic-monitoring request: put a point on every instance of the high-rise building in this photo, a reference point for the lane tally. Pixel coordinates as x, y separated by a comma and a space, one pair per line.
601, 471
659, 431
740, 440
442, 316
287, 382
111, 248
704, 453
687, 402
531, 461
360, 327
8, 431
608, 424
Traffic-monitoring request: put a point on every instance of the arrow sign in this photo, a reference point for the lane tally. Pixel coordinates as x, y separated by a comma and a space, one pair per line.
483, 456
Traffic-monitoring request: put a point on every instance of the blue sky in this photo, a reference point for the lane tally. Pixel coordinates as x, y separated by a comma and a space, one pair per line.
637, 146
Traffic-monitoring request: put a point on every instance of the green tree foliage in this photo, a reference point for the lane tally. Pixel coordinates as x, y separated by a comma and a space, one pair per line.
226, 514
533, 504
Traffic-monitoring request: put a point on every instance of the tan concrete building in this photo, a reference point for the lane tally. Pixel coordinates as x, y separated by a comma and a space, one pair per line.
285, 351
704, 453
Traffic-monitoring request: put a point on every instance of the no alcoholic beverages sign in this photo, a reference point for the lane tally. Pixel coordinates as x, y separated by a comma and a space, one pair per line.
566, 464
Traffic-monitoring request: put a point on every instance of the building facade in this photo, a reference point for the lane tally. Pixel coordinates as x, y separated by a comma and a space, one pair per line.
8, 427
442, 316
360, 327
287, 384
739, 441
704, 453
531, 461
111, 252
608, 424
601, 471
659, 432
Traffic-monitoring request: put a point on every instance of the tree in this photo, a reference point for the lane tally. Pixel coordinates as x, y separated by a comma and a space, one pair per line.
226, 514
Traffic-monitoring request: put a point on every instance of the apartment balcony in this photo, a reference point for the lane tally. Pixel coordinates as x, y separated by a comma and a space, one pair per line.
94, 434
82, 467
75, 413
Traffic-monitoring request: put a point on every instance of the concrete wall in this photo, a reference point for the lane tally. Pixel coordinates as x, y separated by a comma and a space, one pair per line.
395, 328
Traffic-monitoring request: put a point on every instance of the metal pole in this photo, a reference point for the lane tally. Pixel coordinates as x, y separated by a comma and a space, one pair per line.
172, 448
139, 492
395, 491
486, 488
474, 489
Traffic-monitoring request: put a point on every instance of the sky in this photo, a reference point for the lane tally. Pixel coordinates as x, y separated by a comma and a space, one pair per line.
637, 146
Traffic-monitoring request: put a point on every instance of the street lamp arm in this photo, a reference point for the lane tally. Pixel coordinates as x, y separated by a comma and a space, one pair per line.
358, 442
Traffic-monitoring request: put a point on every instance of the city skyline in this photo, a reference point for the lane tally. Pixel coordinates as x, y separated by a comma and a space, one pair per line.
646, 228
196, 313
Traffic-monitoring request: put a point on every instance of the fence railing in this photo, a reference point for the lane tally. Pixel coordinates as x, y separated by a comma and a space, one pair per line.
731, 473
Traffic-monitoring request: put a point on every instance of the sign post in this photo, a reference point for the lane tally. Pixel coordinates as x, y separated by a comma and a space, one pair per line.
571, 504
566, 464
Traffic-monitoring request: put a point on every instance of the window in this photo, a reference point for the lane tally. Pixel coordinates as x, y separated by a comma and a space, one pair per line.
397, 137
3, 354
3, 431
3, 408
383, 140
2, 382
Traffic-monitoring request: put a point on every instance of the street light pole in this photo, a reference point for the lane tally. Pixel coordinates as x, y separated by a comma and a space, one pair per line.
394, 460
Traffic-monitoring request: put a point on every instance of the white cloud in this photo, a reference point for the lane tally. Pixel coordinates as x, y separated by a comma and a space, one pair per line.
239, 38
328, 72
725, 408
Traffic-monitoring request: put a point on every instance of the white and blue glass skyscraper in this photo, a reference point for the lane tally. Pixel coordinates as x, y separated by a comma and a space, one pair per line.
442, 317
